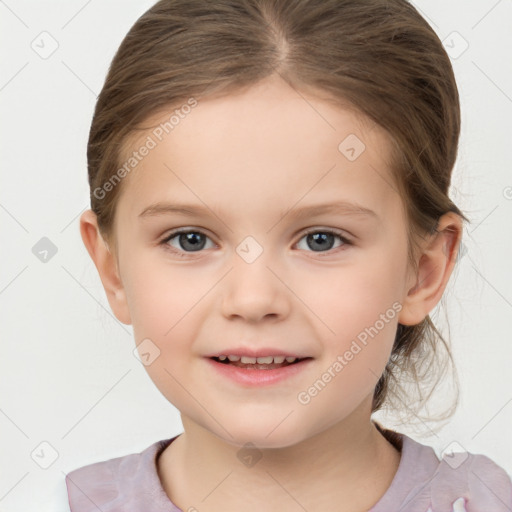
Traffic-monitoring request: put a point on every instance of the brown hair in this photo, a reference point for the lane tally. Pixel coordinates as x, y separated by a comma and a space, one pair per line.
379, 57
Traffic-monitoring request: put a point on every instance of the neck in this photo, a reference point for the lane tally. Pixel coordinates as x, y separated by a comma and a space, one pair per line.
198, 469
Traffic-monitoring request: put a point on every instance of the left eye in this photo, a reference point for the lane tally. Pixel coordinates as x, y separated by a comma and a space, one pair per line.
323, 239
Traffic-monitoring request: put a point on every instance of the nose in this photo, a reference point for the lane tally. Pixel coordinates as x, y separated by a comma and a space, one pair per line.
255, 290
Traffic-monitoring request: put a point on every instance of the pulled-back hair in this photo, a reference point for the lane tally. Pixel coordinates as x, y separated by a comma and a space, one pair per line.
377, 57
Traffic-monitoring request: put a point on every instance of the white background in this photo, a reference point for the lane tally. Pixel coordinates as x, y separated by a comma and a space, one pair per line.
68, 375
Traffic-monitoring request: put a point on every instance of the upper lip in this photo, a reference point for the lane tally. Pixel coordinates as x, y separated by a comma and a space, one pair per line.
255, 352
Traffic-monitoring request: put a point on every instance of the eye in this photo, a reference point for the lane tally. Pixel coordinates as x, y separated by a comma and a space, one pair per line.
323, 239
188, 241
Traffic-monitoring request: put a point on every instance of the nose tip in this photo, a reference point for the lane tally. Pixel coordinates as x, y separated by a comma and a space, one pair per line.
253, 291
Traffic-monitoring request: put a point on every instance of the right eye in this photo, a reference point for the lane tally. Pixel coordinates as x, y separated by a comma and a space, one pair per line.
187, 241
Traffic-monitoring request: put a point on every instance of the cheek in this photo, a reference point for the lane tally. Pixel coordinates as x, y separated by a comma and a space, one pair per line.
354, 358
160, 295
347, 299
164, 304
358, 307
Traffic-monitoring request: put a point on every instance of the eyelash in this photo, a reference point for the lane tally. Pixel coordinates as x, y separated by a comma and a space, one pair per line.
184, 254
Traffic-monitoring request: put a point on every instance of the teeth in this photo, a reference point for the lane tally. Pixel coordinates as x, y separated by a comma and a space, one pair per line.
258, 360
264, 360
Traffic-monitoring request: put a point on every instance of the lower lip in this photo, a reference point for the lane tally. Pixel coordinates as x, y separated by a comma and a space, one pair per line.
253, 377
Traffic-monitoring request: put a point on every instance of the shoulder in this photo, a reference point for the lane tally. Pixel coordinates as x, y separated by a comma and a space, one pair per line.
128, 483
457, 482
483, 484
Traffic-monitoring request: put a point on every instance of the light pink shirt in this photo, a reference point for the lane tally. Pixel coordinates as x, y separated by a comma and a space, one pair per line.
423, 483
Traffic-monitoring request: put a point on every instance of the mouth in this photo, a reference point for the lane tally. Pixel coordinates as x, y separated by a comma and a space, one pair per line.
259, 363
265, 370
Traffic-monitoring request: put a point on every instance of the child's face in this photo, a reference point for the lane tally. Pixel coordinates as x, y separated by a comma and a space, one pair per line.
251, 161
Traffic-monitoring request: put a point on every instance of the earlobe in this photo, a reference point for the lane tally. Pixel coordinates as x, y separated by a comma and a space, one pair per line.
106, 265
435, 266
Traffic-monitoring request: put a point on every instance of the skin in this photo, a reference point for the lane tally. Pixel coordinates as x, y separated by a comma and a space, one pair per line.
248, 157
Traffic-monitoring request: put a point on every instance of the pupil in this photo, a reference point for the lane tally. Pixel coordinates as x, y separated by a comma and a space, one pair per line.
322, 239
194, 239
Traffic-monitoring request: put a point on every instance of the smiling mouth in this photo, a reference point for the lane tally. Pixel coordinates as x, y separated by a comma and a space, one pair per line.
264, 363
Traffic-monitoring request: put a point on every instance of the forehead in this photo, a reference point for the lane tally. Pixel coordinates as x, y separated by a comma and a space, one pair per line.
264, 147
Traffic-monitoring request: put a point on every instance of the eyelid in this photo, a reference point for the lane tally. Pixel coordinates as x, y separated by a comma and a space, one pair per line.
346, 240
178, 231
339, 232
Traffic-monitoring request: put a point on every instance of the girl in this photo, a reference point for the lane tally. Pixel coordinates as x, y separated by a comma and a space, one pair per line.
269, 210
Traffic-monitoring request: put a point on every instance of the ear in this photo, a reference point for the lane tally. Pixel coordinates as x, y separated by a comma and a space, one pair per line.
434, 269
106, 265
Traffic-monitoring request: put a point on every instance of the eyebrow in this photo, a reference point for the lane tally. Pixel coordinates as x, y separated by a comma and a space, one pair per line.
341, 207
